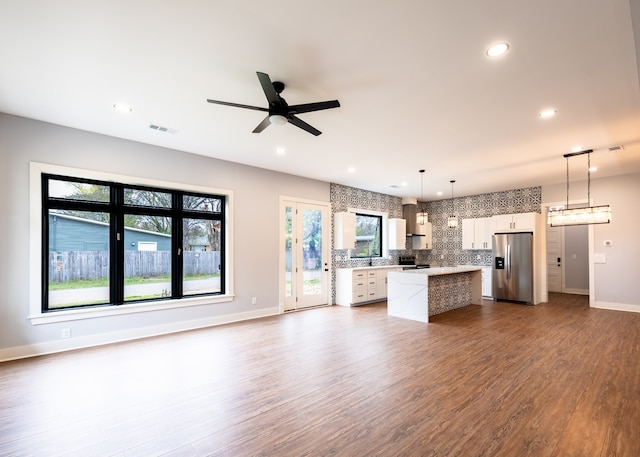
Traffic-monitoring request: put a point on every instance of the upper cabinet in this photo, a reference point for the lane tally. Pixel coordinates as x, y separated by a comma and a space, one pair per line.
345, 230
477, 233
397, 234
424, 240
515, 222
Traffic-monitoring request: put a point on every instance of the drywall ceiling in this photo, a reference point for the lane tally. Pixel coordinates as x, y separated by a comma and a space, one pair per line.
416, 87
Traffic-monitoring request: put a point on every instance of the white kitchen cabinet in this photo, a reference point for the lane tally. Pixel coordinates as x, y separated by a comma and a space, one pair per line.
477, 233
345, 230
424, 241
487, 281
397, 234
519, 222
359, 286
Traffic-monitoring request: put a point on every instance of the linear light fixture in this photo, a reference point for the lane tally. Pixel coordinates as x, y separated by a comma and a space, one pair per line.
585, 215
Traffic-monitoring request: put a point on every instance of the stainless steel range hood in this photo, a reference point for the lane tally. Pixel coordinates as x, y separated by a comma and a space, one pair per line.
409, 213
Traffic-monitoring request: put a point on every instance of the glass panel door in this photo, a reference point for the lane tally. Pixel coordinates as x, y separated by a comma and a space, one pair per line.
306, 255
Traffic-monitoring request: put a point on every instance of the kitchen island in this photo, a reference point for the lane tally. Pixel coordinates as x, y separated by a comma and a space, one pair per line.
418, 294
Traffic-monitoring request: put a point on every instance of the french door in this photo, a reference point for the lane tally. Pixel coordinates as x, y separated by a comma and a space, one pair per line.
304, 254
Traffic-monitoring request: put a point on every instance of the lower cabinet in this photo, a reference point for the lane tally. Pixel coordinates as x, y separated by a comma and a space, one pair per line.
487, 282
359, 286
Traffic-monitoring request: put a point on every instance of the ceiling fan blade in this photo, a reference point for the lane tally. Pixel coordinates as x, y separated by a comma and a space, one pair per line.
303, 125
267, 87
237, 105
308, 107
262, 125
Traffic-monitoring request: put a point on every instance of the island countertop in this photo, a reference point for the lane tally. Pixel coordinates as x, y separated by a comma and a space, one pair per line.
443, 270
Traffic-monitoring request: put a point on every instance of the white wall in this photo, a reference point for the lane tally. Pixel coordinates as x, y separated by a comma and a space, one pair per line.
255, 235
615, 282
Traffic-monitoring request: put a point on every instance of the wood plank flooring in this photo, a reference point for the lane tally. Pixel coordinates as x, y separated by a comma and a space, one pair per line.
557, 379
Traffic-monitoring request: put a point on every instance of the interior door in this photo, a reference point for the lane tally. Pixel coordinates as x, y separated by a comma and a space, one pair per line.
306, 245
554, 259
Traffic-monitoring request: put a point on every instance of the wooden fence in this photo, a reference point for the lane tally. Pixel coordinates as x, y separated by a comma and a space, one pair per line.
89, 265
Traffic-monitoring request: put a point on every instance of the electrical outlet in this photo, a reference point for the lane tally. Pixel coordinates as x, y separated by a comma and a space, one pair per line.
254, 300
65, 333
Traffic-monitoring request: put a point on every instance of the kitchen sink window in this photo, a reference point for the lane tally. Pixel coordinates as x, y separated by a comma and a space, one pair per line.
368, 236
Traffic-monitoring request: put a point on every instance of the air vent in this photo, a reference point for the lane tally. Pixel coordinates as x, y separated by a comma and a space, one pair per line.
616, 148
162, 129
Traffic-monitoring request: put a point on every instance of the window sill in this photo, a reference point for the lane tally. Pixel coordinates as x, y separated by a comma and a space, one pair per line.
107, 311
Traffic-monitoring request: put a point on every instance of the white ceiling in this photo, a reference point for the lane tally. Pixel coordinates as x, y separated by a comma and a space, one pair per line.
416, 88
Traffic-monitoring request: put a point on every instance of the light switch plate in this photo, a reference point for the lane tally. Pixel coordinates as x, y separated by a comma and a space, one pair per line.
599, 258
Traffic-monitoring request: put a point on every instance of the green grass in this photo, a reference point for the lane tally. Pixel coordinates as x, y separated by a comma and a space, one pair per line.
104, 282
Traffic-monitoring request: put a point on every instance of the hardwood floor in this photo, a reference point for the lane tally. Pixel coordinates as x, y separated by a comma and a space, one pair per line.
557, 379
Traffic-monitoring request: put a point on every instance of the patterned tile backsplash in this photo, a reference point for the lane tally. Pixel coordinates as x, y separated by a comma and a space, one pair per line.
447, 243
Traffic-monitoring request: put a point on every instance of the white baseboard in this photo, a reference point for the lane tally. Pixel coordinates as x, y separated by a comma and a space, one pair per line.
617, 306
576, 291
50, 347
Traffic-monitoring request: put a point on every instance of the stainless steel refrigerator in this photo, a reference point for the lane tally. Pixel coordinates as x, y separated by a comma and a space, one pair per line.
513, 267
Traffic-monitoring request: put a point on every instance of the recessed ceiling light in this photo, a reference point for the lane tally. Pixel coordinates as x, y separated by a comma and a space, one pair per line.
593, 169
576, 149
122, 108
351, 170
281, 151
439, 193
403, 183
498, 49
547, 113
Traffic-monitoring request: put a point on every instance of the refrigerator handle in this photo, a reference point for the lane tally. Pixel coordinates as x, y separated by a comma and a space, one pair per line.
508, 261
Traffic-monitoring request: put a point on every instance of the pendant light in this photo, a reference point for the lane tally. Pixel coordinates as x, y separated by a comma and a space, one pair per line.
584, 215
452, 221
421, 217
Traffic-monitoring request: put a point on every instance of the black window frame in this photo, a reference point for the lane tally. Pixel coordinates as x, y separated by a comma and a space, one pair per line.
117, 209
380, 251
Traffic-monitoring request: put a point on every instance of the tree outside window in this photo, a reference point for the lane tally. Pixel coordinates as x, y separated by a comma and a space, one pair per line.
368, 236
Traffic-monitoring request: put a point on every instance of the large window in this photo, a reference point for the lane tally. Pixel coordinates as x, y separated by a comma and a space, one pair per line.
107, 243
368, 236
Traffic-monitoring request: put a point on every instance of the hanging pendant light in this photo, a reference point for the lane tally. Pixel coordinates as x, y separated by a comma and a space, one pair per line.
584, 215
452, 221
421, 216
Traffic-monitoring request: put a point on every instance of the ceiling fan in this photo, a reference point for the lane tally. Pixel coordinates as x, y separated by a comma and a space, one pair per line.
279, 111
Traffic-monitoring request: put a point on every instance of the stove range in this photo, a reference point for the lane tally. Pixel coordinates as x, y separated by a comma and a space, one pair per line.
408, 262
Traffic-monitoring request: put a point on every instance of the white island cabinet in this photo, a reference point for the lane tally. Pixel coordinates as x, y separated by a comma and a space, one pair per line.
362, 285
418, 294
